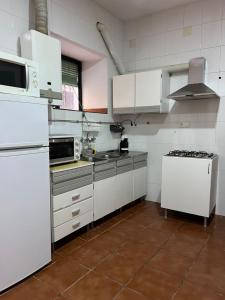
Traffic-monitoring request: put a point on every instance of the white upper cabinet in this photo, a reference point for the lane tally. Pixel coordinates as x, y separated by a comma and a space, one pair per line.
148, 90
142, 92
124, 93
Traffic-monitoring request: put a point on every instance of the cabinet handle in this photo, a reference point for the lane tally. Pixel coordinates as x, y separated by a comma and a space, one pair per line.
75, 197
208, 168
75, 225
75, 212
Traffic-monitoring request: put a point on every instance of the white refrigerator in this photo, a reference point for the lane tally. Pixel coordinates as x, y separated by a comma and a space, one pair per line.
25, 231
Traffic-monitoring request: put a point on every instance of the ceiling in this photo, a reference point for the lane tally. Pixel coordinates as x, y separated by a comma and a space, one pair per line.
133, 9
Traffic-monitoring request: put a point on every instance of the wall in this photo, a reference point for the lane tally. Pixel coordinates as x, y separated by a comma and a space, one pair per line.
75, 20
172, 37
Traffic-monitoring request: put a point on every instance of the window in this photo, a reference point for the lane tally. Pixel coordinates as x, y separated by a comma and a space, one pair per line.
71, 84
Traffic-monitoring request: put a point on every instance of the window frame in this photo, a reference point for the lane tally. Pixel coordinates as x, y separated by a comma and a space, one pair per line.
79, 64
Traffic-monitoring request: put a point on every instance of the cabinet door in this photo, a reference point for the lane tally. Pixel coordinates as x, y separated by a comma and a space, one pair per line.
140, 182
148, 88
104, 197
124, 93
124, 186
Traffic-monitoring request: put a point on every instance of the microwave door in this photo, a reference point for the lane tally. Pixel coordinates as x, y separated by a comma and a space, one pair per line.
13, 75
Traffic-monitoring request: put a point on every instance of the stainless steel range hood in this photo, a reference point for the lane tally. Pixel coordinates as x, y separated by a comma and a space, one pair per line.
196, 88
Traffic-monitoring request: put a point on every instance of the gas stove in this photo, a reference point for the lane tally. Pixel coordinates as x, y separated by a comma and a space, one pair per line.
192, 154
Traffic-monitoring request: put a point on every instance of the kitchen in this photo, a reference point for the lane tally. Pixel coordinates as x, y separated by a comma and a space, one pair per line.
128, 249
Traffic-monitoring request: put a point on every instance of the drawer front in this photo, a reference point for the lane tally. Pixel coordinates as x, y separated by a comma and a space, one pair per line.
72, 174
72, 225
72, 197
104, 174
63, 215
124, 169
140, 164
125, 161
140, 157
66, 186
104, 167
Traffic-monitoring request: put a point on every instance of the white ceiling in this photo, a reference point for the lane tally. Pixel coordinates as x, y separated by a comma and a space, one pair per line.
132, 9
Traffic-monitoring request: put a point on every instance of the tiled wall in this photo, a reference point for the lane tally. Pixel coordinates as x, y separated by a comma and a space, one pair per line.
172, 37
75, 20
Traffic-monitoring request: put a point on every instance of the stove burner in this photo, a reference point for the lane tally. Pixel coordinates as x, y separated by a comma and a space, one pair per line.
193, 154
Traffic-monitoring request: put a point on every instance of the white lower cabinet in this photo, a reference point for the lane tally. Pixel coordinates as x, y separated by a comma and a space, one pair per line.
124, 189
139, 182
104, 197
71, 211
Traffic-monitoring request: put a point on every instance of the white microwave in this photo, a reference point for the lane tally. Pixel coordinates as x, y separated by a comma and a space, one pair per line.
18, 76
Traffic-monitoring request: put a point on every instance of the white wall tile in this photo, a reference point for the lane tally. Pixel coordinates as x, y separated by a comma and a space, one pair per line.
193, 14
159, 22
212, 56
175, 18
157, 45
211, 34
212, 10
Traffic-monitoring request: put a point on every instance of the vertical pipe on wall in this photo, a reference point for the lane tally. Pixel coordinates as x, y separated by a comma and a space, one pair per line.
41, 15
109, 46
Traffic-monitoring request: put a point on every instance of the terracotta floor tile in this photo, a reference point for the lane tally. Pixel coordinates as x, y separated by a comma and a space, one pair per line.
210, 274
141, 219
92, 233
154, 237
171, 263
110, 240
30, 289
68, 248
128, 294
190, 291
126, 229
154, 284
166, 225
90, 254
184, 246
62, 273
93, 287
140, 250
193, 232
118, 268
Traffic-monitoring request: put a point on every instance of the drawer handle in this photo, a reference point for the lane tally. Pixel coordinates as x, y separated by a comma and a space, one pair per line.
76, 225
75, 197
75, 212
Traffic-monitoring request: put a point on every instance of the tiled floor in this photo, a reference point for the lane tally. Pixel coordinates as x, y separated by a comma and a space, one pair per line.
135, 255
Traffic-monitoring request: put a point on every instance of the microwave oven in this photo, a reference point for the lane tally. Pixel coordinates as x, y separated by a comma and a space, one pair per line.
63, 149
18, 76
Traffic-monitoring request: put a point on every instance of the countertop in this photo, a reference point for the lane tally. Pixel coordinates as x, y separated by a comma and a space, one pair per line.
69, 166
131, 154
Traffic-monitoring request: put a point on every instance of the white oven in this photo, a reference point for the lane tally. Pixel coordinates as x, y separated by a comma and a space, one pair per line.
18, 76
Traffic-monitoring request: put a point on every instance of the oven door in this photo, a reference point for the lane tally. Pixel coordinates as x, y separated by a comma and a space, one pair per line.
61, 150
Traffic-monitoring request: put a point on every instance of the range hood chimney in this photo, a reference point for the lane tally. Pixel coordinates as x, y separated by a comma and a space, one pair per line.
196, 88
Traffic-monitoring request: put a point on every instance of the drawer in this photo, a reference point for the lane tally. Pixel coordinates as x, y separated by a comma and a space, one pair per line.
72, 197
70, 185
140, 157
124, 169
63, 215
125, 161
72, 174
72, 225
140, 164
105, 167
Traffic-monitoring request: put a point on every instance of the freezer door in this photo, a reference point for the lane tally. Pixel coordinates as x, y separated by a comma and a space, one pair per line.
25, 239
23, 124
